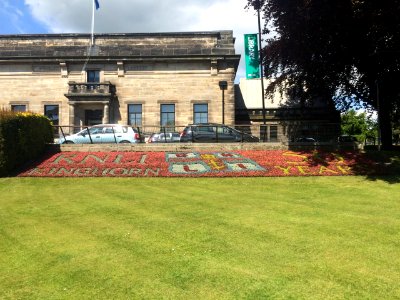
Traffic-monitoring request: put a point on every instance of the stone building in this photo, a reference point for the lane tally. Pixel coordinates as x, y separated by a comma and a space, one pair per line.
287, 119
151, 79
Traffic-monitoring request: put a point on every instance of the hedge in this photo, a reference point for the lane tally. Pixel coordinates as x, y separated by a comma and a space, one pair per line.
23, 137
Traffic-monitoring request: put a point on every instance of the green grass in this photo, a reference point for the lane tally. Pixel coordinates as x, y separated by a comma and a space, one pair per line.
232, 238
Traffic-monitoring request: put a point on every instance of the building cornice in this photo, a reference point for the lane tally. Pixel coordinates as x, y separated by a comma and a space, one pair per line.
39, 59
216, 33
180, 45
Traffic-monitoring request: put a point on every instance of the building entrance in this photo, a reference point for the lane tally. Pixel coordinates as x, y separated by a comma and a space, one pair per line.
93, 117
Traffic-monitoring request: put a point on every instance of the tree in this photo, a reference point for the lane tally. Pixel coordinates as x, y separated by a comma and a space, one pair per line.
359, 125
346, 51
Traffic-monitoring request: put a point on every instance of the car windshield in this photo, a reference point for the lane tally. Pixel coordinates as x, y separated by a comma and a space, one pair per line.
237, 131
92, 130
95, 130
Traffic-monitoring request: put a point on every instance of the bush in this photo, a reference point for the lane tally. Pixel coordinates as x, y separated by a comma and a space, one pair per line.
23, 137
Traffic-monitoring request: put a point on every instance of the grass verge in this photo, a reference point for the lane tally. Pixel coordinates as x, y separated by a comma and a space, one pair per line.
213, 238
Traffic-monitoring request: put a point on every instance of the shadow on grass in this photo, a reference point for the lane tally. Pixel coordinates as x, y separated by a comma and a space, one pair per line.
370, 163
373, 164
388, 165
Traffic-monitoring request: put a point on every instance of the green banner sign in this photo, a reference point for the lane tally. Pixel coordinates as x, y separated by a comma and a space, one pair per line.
252, 56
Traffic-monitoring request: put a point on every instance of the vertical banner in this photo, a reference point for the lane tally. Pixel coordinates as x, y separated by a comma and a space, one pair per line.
252, 56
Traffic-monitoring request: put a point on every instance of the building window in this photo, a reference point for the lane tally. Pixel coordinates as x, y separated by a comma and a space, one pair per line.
93, 76
167, 115
273, 133
52, 112
263, 133
18, 107
135, 115
200, 113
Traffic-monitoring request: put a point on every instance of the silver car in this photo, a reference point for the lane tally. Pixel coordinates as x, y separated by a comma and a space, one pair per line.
103, 133
167, 137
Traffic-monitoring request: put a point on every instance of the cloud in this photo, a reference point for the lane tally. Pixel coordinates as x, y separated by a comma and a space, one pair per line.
13, 14
146, 16
19, 12
120, 15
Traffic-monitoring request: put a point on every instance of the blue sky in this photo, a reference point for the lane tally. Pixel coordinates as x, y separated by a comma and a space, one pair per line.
128, 16
16, 18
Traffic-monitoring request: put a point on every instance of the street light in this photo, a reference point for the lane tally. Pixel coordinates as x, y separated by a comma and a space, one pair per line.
223, 85
378, 114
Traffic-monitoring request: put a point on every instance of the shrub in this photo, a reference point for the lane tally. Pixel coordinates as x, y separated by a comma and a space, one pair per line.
23, 137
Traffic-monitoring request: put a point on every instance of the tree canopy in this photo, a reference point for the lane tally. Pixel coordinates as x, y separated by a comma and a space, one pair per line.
359, 125
346, 51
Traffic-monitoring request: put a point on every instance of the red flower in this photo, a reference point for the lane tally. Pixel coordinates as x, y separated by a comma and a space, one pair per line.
201, 164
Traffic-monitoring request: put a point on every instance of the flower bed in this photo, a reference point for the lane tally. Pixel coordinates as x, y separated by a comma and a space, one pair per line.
201, 164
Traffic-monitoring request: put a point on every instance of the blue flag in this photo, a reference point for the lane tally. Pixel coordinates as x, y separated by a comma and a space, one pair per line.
97, 4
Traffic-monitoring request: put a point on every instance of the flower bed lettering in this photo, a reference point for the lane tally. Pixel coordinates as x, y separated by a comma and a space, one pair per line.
201, 164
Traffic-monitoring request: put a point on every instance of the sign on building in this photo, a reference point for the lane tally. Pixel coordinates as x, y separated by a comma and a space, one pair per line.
252, 56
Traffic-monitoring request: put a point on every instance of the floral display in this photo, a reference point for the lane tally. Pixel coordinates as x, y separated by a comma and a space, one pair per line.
201, 164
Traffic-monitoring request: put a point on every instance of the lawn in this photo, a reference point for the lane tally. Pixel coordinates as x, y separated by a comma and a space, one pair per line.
200, 238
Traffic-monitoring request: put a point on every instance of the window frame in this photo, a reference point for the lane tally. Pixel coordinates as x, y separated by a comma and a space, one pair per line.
58, 113
13, 106
96, 71
167, 114
198, 116
136, 114
273, 133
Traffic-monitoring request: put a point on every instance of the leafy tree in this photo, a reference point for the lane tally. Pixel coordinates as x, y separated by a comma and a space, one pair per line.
345, 51
358, 125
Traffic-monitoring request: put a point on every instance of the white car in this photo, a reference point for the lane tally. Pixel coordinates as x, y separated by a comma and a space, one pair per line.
103, 133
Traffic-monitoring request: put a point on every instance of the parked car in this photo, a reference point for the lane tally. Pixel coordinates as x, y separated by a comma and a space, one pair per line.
103, 133
306, 140
210, 133
347, 139
167, 137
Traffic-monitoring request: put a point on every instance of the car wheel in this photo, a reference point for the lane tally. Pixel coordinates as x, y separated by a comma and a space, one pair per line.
124, 142
68, 142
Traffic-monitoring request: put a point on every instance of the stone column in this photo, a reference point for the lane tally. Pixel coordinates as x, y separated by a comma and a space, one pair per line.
106, 113
72, 115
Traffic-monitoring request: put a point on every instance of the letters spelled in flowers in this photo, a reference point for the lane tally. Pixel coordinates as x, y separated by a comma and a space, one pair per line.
201, 164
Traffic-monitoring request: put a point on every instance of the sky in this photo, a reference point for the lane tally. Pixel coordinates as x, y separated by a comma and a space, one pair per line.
129, 16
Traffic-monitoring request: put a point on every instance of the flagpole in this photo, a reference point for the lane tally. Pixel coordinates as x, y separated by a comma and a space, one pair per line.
93, 24
91, 43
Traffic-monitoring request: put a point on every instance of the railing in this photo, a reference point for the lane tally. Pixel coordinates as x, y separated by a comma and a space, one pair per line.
269, 133
90, 88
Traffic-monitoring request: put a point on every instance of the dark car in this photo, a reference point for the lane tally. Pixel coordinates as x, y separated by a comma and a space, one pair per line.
306, 140
215, 133
347, 139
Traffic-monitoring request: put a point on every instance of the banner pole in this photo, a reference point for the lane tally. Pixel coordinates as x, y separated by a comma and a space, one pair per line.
261, 61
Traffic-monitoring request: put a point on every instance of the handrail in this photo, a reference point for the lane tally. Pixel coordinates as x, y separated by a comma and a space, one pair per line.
269, 133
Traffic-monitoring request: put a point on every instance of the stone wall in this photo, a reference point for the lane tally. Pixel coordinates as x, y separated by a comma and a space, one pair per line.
148, 69
122, 45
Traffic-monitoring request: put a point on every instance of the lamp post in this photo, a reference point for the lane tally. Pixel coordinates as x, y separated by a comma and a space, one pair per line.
223, 85
257, 6
378, 114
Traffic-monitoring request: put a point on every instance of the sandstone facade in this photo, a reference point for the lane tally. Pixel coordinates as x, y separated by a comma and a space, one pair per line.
151, 70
